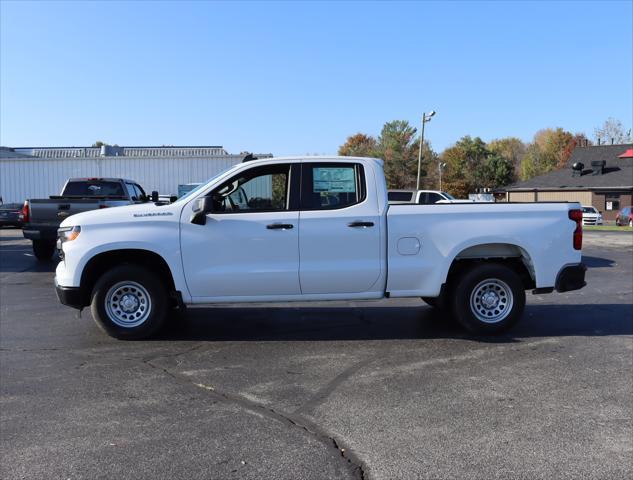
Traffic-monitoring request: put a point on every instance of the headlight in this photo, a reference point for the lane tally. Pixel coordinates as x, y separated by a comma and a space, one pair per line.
68, 234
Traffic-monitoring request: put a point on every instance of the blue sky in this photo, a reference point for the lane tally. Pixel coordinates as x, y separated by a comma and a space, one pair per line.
296, 78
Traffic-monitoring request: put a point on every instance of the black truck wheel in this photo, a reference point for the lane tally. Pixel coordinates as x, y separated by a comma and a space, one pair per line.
43, 249
489, 299
129, 302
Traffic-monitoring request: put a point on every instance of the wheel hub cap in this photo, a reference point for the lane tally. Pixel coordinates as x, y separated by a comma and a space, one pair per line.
491, 300
128, 304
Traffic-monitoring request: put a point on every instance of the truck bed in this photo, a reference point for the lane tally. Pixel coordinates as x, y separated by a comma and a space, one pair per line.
444, 232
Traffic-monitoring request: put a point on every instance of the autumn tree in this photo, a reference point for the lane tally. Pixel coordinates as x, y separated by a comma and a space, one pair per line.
359, 145
612, 131
550, 150
398, 145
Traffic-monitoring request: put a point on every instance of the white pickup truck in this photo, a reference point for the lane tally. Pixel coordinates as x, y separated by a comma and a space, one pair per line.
314, 228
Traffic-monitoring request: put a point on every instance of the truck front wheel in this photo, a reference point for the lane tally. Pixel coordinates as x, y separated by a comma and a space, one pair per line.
43, 250
129, 302
489, 299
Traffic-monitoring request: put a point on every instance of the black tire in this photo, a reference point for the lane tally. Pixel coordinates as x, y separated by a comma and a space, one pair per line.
476, 293
43, 250
143, 288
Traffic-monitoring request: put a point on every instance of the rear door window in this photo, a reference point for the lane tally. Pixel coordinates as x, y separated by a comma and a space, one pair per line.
328, 186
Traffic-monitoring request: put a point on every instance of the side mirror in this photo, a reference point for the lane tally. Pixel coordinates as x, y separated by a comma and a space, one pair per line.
173, 198
600, 212
155, 196
201, 207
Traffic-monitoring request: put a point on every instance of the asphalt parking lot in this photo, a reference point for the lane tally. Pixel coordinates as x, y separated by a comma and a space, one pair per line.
377, 390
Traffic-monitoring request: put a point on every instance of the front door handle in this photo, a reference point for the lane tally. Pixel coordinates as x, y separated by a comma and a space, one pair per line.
360, 224
279, 226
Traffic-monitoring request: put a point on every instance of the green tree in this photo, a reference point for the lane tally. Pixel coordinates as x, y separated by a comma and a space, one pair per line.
510, 148
359, 145
470, 165
497, 172
396, 148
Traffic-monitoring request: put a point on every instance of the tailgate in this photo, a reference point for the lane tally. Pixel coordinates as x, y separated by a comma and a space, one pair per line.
53, 212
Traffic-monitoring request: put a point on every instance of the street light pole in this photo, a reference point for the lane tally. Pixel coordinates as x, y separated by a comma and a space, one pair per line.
425, 118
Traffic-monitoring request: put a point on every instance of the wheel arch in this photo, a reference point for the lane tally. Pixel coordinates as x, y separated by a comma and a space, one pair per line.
104, 261
509, 254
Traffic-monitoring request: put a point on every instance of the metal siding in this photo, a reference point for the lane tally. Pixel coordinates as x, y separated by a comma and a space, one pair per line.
40, 177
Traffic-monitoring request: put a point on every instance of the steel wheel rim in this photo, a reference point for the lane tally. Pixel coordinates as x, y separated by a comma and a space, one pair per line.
491, 300
128, 304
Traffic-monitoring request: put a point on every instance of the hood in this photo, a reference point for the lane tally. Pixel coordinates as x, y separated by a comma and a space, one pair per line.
123, 214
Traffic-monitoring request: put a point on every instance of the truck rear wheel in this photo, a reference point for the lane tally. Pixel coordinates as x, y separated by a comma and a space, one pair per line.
489, 299
129, 302
43, 249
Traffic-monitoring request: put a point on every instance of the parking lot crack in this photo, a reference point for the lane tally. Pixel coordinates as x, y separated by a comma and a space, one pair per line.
320, 396
350, 459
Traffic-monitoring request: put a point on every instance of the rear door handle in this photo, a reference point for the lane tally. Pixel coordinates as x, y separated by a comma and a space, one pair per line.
360, 224
279, 226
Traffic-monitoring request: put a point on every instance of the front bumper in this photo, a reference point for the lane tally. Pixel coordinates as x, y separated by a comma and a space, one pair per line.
70, 296
571, 277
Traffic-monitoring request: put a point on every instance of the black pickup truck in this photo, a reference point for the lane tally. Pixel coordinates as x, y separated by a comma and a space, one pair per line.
41, 217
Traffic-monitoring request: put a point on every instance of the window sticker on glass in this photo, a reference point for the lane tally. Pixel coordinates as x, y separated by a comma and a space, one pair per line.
332, 179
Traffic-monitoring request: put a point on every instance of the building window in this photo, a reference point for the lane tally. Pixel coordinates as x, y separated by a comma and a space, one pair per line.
612, 201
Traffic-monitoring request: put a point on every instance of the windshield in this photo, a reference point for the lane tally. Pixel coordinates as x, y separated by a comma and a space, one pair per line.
194, 192
588, 210
448, 195
93, 188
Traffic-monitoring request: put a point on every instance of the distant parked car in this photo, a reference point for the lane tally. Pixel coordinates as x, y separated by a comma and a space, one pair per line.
422, 197
625, 217
10, 215
591, 216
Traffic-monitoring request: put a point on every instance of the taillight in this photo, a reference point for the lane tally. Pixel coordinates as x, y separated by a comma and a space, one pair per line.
25, 212
576, 216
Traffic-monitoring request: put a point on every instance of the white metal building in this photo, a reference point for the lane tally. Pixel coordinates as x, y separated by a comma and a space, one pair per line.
42, 171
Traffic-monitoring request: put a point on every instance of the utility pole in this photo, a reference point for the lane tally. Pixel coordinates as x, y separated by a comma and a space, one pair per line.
425, 118
440, 167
